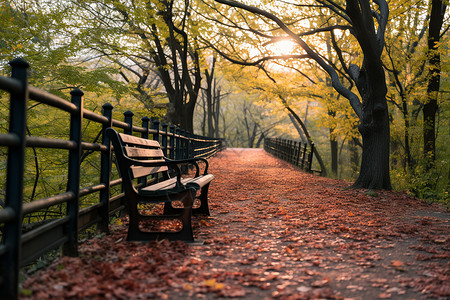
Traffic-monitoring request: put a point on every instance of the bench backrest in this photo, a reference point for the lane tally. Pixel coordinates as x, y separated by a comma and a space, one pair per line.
128, 147
142, 149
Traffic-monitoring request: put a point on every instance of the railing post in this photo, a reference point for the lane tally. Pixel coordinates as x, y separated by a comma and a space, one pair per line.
310, 159
294, 153
188, 144
289, 149
278, 147
192, 145
304, 155
70, 248
10, 261
164, 138
145, 125
155, 126
299, 152
172, 142
129, 120
178, 153
105, 171
183, 144
144, 135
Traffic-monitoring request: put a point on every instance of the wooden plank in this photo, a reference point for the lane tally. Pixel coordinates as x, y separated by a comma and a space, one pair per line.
144, 153
144, 171
129, 139
203, 180
167, 184
170, 183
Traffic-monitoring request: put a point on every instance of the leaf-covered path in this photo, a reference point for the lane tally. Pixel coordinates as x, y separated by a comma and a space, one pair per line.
275, 233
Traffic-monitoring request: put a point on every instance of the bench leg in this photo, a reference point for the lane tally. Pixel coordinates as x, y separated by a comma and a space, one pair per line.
183, 214
203, 209
170, 210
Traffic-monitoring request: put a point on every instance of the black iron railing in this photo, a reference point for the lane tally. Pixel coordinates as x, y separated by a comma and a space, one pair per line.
296, 153
18, 248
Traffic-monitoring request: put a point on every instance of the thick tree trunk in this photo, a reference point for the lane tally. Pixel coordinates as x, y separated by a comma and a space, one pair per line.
431, 106
374, 172
188, 118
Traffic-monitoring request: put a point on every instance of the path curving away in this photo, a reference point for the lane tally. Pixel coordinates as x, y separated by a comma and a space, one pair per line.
275, 233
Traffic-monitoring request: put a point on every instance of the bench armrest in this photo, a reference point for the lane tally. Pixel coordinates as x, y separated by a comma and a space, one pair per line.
149, 163
194, 162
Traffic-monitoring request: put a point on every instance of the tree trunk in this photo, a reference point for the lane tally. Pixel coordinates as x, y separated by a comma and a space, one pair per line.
370, 81
203, 124
209, 97
217, 113
188, 118
297, 127
334, 155
261, 138
406, 120
431, 106
374, 171
333, 144
354, 157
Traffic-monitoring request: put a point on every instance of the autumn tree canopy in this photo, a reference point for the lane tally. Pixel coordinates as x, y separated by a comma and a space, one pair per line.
359, 74
366, 21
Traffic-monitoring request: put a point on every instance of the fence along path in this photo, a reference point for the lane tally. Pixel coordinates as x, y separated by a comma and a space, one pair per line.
295, 153
17, 248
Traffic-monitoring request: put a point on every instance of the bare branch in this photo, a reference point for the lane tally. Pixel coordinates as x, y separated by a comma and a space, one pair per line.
382, 22
336, 8
275, 39
337, 85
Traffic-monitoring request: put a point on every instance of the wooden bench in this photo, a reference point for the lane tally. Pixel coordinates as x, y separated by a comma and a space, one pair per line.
140, 159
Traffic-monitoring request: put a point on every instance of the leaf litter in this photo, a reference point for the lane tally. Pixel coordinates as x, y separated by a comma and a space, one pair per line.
275, 232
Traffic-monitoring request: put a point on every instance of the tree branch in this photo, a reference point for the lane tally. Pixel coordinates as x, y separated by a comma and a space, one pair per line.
336, 8
337, 85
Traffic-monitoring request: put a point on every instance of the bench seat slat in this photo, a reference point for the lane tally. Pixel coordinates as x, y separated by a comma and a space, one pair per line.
142, 152
138, 171
196, 183
166, 184
129, 139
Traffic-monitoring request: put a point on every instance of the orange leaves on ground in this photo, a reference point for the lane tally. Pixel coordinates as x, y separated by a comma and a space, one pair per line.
212, 283
275, 232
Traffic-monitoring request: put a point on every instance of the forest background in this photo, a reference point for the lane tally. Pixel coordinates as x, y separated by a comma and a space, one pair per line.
225, 72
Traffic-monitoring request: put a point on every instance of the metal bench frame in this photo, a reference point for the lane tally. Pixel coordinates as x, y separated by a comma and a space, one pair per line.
138, 158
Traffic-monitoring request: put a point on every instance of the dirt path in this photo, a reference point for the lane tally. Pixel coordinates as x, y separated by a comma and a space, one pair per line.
275, 233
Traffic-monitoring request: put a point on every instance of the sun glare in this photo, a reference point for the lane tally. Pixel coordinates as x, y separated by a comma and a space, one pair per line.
284, 47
